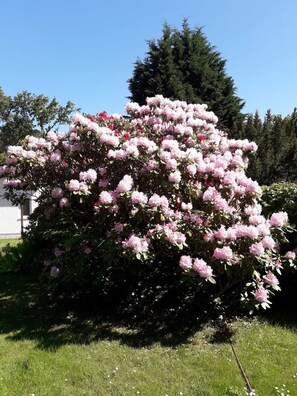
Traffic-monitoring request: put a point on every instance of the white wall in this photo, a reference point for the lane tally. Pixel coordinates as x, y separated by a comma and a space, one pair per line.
10, 216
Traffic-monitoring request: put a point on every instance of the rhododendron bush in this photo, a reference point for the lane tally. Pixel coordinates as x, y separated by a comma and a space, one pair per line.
160, 184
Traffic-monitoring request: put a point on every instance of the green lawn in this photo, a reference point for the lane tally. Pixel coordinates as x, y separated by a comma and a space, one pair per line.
11, 242
52, 351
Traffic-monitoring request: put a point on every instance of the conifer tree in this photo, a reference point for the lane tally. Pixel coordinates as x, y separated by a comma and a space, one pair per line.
182, 65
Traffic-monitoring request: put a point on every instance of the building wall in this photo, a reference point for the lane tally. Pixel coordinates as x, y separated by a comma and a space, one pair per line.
10, 216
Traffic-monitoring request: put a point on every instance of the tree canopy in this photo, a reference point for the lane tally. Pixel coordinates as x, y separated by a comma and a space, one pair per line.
183, 65
276, 137
30, 114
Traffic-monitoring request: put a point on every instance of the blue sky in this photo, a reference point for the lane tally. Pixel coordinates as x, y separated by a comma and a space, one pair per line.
84, 51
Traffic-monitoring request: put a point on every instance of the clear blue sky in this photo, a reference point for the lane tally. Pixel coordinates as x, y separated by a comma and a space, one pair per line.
84, 51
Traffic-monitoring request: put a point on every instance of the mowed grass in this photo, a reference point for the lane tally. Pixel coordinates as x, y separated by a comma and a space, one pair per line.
50, 350
11, 242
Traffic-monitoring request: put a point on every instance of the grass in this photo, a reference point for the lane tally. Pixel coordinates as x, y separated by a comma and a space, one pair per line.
11, 242
5, 247
52, 350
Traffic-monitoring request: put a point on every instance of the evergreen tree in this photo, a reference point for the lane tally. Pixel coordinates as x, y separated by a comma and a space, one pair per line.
265, 148
253, 131
182, 65
276, 137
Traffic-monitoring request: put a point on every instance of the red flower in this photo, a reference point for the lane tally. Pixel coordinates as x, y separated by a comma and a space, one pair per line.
201, 138
126, 136
91, 118
103, 115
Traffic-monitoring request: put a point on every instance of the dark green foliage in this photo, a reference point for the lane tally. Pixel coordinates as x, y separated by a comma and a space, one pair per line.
23, 257
276, 138
30, 114
282, 197
182, 65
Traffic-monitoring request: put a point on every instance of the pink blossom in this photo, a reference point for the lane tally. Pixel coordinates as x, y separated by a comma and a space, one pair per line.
261, 295
268, 242
185, 262
209, 236
231, 234
224, 253
256, 219
89, 175
204, 270
210, 194
230, 178
57, 192
192, 169
73, 185
105, 198
80, 119
278, 219
51, 137
247, 231
109, 139
155, 200
125, 184
176, 238
132, 107
16, 150
263, 229
186, 206
83, 187
103, 183
271, 279
218, 172
12, 183
171, 163
137, 244
56, 156
175, 177
221, 204
290, 255
138, 197
221, 233
63, 202
119, 227
257, 249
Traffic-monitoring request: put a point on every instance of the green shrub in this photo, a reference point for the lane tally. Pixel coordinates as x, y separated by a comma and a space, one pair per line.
21, 257
282, 197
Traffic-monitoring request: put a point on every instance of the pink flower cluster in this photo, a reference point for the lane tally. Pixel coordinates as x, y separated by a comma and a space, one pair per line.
198, 265
164, 179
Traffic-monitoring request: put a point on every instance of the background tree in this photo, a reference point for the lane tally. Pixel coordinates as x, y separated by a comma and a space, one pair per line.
30, 114
182, 65
276, 137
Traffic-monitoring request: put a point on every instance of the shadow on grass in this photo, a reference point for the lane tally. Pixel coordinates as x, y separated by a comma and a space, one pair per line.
26, 313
